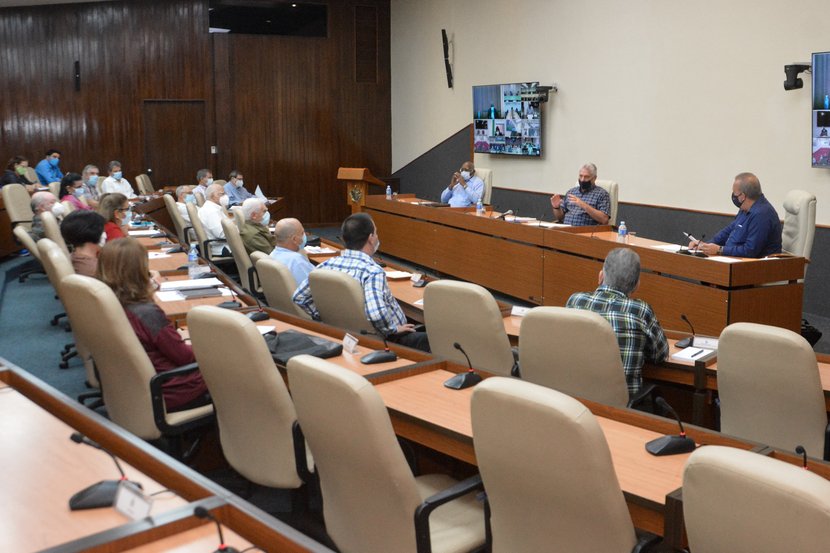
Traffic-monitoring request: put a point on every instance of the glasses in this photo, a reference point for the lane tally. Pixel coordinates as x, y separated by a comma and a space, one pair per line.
122, 209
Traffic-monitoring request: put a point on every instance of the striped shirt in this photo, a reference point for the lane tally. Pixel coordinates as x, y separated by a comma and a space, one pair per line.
596, 197
638, 331
381, 307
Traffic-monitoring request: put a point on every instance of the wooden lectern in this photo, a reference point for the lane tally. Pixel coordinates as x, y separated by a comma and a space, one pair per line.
357, 181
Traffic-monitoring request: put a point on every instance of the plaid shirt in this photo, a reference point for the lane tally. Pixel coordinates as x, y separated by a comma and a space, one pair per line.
596, 197
638, 332
382, 309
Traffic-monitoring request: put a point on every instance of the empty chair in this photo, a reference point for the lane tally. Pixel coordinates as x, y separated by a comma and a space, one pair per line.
247, 272
769, 388
370, 496
179, 224
54, 188
799, 223
145, 187
201, 236
253, 409
339, 300
466, 313
737, 501
486, 175
131, 388
27, 241
278, 285
555, 354
53, 231
31, 176
548, 472
613, 192
17, 201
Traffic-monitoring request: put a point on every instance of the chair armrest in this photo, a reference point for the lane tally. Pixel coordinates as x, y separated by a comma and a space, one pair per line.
300, 457
645, 542
253, 279
422, 536
827, 443
157, 398
515, 370
647, 391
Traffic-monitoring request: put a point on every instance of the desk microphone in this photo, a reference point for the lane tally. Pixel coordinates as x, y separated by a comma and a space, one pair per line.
505, 214
690, 341
803, 452
384, 356
233, 304
670, 445
101, 494
463, 380
203, 513
259, 314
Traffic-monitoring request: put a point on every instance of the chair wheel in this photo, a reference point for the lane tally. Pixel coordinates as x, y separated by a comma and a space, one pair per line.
64, 365
54, 322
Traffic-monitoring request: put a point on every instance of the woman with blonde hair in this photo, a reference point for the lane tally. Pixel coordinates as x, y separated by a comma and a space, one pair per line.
116, 210
123, 266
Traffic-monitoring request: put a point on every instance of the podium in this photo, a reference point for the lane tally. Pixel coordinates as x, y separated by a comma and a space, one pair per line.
357, 181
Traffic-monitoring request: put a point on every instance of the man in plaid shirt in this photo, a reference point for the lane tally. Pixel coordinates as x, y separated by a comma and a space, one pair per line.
382, 309
638, 332
583, 205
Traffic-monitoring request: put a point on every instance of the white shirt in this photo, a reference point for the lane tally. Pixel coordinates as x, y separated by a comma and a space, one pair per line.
211, 215
183, 211
110, 186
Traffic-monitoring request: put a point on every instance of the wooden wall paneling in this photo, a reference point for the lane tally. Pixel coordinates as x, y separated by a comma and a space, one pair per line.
772, 305
175, 142
406, 238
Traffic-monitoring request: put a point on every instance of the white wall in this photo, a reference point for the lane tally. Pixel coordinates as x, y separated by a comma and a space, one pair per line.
669, 98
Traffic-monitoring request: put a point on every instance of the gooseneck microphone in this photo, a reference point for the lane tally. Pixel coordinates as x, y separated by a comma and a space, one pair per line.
803, 452
505, 214
670, 445
233, 304
259, 314
203, 513
101, 494
463, 380
384, 356
690, 341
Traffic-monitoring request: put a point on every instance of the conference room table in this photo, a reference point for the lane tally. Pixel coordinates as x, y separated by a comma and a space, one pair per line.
544, 266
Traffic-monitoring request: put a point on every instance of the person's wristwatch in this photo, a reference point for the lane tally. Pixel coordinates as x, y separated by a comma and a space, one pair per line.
720, 250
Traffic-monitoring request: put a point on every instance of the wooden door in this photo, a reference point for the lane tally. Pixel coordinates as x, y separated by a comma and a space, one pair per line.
175, 141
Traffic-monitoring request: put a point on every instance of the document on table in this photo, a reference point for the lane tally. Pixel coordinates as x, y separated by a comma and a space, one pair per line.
316, 250
157, 255
148, 232
674, 248
175, 295
724, 259
553, 225
519, 311
190, 284
692, 354
397, 275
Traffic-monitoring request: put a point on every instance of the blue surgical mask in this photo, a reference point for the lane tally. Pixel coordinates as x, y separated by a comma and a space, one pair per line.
209, 182
266, 218
78, 192
92, 180
190, 199
117, 175
304, 242
128, 217
465, 175
54, 161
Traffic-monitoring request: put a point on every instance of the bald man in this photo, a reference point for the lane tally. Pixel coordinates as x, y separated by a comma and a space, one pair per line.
290, 236
41, 201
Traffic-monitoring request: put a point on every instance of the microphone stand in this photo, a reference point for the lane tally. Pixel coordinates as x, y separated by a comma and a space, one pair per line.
670, 445
203, 513
466, 379
385, 356
690, 341
101, 494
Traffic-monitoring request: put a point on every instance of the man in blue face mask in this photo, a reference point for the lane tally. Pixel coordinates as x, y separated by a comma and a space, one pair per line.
48, 168
184, 195
90, 186
291, 239
254, 231
465, 188
756, 229
116, 181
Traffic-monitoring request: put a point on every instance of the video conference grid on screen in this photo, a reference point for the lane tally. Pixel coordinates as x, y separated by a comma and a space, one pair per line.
504, 123
821, 109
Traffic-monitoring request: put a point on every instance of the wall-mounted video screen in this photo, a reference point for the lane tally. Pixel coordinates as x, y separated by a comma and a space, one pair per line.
505, 121
821, 109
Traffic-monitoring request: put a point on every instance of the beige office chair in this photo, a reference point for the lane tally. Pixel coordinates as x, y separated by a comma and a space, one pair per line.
200, 198
339, 300
548, 472
370, 496
256, 256
253, 409
68, 207
238, 215
613, 191
53, 231
770, 390
467, 314
18, 205
24, 238
573, 351
244, 266
278, 285
132, 390
799, 223
55, 188
31, 176
487, 176
201, 237
737, 501
144, 186
179, 224
220, 181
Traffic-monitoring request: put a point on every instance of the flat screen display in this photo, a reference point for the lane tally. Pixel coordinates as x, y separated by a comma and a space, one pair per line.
506, 121
821, 109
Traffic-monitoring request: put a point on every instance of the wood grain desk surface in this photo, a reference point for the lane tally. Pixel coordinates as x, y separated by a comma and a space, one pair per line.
197, 540
43, 468
424, 397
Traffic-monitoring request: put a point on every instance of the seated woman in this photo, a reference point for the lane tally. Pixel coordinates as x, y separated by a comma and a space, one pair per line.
72, 191
16, 173
123, 266
116, 211
83, 232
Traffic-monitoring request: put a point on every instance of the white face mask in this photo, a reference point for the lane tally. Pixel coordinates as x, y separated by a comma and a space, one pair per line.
266, 218
223, 201
239, 183
209, 182
102, 240
465, 175
58, 210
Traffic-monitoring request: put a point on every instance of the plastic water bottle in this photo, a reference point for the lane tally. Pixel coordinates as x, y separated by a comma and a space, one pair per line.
479, 207
622, 233
388, 192
193, 269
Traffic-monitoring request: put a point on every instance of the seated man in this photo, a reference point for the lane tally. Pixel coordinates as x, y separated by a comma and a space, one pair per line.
48, 168
583, 205
639, 334
43, 201
290, 237
205, 178
83, 232
254, 231
184, 195
382, 310
211, 215
465, 187
235, 189
116, 182
756, 230
90, 178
